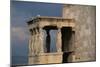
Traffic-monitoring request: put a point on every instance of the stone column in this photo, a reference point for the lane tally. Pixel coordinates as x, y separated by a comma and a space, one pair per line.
37, 46
41, 40
30, 49
59, 40
36, 41
32, 43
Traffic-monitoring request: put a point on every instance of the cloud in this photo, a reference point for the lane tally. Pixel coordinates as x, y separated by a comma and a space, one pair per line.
20, 33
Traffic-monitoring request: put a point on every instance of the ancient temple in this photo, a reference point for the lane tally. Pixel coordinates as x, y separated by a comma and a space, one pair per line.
39, 49
75, 38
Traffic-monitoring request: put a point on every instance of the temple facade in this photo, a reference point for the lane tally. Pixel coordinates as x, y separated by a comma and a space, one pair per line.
74, 40
39, 49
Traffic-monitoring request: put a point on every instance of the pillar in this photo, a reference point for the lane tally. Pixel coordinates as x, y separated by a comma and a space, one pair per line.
38, 41
37, 45
32, 42
30, 49
41, 40
31, 46
59, 40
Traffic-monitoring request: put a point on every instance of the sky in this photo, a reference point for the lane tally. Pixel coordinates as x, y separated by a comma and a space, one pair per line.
21, 12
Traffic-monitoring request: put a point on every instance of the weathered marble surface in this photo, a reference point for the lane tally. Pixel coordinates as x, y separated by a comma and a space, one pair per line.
85, 17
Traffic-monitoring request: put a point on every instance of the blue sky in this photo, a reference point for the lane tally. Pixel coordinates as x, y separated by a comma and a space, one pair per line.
21, 12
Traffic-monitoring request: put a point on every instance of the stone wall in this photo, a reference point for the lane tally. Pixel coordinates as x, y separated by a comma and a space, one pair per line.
46, 58
85, 37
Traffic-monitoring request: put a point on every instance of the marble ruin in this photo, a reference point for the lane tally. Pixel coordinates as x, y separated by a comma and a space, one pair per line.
74, 39
37, 53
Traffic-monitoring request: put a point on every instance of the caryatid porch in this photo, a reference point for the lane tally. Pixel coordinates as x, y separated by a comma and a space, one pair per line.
40, 53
